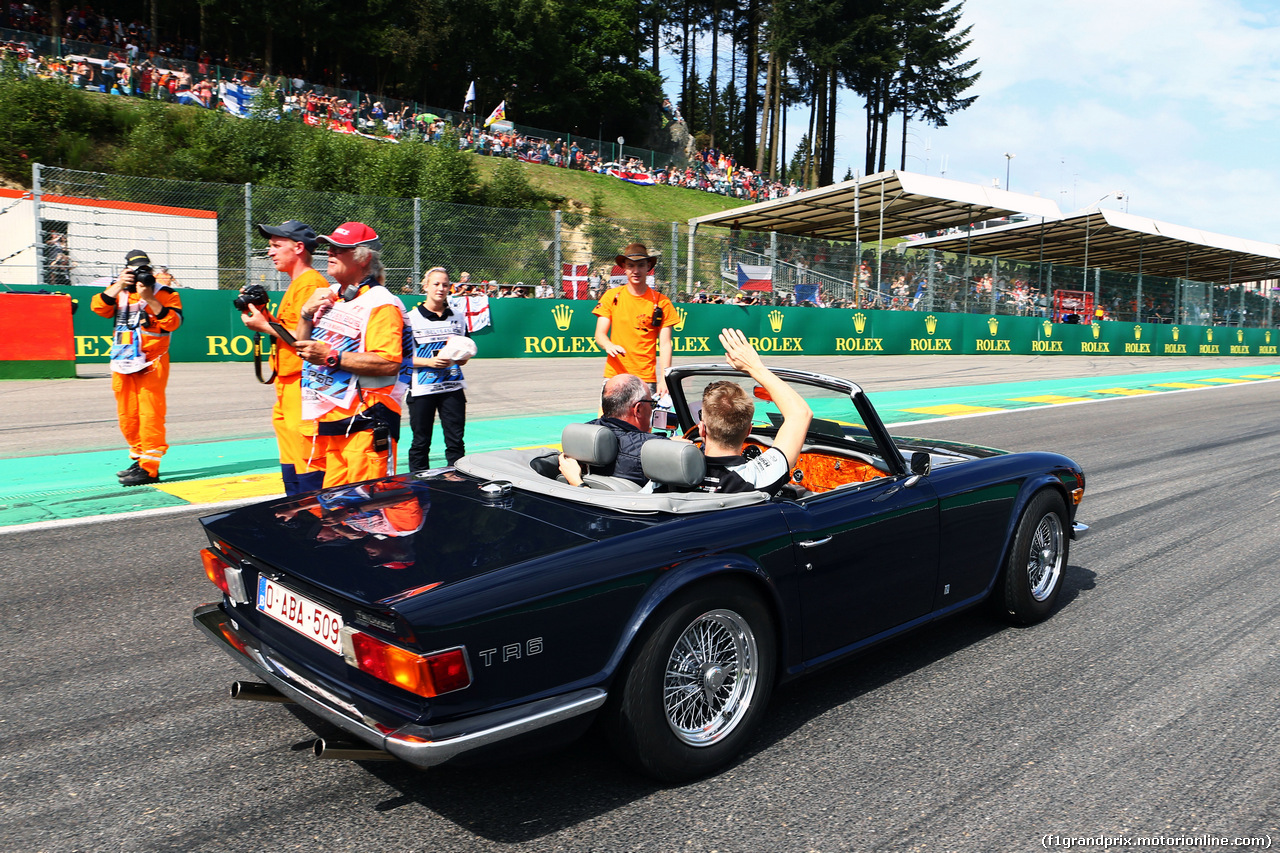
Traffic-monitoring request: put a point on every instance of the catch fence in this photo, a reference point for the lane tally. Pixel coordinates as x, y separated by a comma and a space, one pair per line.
74, 228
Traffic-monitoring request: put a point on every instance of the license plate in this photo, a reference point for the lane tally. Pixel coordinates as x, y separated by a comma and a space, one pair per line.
313, 621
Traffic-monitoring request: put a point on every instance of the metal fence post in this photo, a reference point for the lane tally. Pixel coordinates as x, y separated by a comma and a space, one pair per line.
557, 264
248, 230
690, 258
773, 255
38, 246
674, 266
930, 280
1137, 302
995, 287
417, 239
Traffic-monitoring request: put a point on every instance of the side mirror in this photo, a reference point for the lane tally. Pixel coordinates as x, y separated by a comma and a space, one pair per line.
921, 463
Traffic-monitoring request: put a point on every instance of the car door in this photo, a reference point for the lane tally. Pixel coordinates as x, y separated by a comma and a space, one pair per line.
868, 560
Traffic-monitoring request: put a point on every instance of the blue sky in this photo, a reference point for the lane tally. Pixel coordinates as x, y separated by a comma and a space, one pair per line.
1175, 103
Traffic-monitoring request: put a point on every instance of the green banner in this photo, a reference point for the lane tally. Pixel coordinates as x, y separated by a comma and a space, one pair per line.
538, 328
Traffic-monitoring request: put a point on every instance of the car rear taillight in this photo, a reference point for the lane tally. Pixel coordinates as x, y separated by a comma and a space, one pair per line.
216, 569
224, 576
426, 675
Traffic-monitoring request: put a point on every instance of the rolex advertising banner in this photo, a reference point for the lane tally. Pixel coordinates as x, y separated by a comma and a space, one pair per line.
540, 328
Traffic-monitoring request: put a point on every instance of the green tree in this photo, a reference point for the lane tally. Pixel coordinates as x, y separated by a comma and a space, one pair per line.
395, 170
931, 78
330, 162
448, 173
43, 121
509, 187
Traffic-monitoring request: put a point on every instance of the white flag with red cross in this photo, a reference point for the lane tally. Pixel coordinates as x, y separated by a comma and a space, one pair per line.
574, 280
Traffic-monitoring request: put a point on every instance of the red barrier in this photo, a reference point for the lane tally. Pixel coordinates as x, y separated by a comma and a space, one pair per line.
36, 337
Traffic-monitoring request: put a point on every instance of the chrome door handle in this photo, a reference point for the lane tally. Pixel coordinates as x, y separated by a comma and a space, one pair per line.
814, 543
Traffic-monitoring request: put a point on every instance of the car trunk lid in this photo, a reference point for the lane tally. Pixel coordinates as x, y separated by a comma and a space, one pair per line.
377, 543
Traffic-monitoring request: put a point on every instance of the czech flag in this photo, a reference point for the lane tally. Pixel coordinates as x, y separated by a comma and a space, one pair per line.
755, 278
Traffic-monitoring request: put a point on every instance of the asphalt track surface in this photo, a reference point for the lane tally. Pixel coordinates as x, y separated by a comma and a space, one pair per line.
1144, 707
60, 449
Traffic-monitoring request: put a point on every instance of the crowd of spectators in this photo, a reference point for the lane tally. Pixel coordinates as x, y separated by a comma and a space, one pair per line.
106, 54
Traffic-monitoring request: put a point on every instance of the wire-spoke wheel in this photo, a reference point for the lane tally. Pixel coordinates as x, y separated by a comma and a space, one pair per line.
696, 684
710, 677
1034, 569
1044, 562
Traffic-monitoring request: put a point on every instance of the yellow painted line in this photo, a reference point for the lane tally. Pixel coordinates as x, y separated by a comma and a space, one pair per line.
1258, 375
1050, 398
1180, 385
225, 488
950, 410
1226, 381
1128, 392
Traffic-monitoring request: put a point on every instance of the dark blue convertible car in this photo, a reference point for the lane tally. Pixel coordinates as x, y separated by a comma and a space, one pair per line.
466, 611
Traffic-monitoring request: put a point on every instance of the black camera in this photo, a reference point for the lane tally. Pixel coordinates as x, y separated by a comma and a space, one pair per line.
253, 294
143, 275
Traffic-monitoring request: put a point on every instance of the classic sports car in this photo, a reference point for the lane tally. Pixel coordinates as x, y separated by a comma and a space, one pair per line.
458, 611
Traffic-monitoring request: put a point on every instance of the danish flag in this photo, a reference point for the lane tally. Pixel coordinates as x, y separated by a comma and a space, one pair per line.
574, 280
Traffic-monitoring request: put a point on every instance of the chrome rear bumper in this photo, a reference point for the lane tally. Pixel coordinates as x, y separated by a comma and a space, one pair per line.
424, 746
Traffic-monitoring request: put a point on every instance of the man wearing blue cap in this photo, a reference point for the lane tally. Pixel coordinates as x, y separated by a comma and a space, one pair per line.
291, 245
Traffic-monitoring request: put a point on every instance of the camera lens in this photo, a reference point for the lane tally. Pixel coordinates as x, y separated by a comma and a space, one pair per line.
144, 276
254, 294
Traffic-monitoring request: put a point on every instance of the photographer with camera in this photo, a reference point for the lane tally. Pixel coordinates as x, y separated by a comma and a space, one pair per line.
291, 246
634, 321
144, 317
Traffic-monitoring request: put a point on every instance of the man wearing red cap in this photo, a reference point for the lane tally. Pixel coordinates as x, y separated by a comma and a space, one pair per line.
351, 337
635, 321
145, 313
291, 245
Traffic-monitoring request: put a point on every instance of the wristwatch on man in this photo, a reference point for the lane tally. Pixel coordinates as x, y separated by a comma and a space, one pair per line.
333, 360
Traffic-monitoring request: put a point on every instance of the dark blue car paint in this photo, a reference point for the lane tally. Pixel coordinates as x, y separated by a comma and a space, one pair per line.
548, 596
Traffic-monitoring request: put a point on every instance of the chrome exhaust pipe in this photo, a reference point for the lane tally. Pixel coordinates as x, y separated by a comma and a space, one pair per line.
254, 692
349, 751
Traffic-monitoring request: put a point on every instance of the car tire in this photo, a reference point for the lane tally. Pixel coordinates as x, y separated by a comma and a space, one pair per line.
695, 688
1037, 561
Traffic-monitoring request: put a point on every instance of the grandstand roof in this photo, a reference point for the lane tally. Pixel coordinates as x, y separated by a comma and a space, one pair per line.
888, 204
1122, 242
